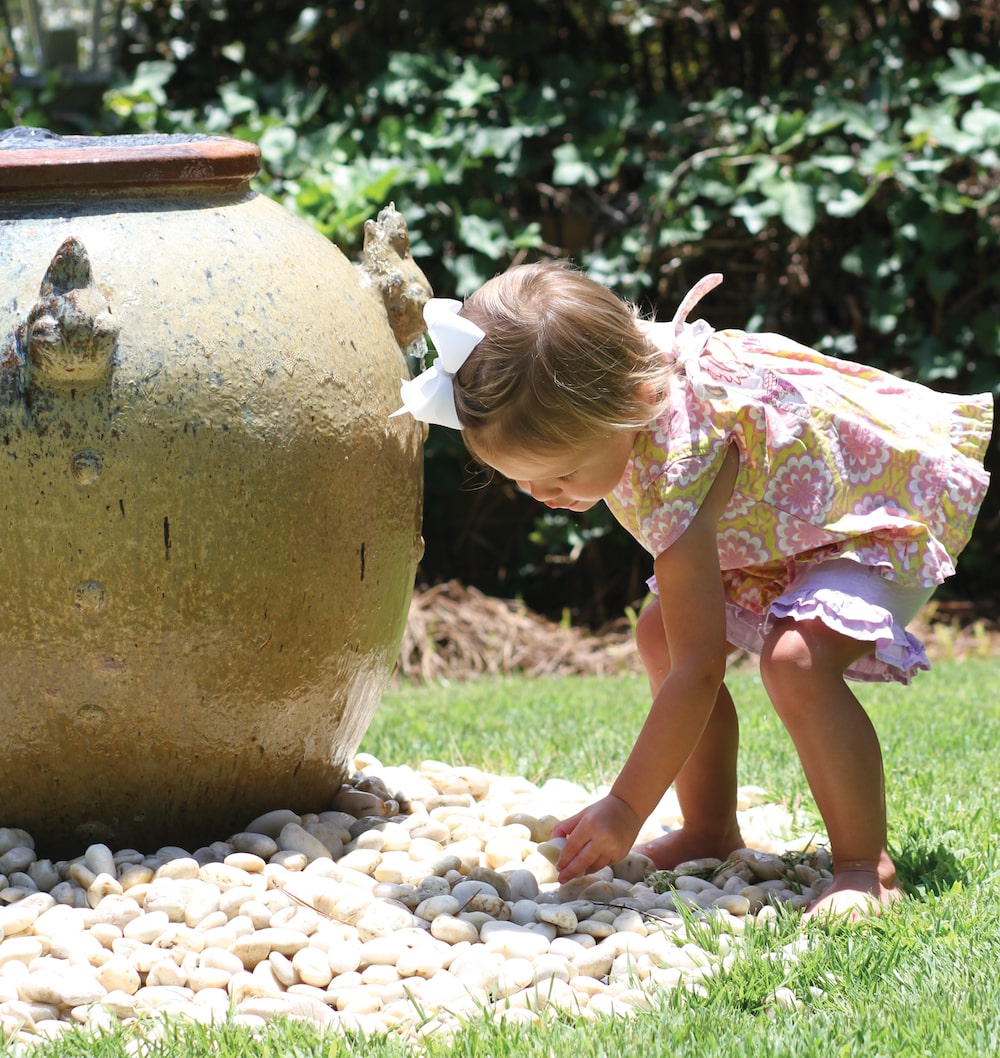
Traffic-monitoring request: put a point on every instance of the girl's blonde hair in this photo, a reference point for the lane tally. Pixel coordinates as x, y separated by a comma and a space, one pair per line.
563, 359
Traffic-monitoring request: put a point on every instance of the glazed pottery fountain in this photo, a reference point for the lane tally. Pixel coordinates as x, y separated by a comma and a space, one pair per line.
209, 523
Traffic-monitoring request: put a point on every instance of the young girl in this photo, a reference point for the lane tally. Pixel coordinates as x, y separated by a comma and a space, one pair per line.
797, 506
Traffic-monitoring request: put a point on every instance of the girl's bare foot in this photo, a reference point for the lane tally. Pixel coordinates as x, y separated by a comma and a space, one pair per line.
688, 844
860, 889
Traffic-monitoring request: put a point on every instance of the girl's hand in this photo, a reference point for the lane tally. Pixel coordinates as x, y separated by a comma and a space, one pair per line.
597, 837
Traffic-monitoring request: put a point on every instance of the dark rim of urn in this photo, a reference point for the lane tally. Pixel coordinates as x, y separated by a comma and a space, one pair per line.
37, 160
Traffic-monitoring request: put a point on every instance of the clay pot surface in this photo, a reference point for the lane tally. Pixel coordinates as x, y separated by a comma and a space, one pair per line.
210, 525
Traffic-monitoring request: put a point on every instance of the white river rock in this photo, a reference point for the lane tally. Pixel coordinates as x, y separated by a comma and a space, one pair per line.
422, 896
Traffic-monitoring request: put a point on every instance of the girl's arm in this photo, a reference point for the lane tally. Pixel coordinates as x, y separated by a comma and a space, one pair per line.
692, 603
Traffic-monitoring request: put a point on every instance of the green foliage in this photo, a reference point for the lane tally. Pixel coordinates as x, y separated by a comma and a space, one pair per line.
414, 134
636, 139
838, 162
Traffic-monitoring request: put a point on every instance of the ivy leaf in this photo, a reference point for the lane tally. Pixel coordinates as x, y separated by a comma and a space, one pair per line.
866, 122
571, 169
493, 141
984, 124
468, 273
936, 125
486, 236
796, 203
835, 163
754, 215
277, 144
149, 80
235, 101
471, 86
529, 238
969, 75
941, 282
848, 202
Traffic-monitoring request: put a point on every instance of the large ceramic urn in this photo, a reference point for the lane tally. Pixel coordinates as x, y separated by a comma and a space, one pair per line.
209, 524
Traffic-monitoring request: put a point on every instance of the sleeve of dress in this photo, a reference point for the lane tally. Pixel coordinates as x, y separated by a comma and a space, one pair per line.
668, 502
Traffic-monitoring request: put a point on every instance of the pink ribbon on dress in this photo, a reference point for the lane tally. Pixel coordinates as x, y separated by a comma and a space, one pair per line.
690, 339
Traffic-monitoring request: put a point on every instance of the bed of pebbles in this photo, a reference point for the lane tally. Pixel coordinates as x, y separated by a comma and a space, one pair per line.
421, 898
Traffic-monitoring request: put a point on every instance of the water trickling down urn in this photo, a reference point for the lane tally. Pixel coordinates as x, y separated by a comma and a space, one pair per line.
210, 525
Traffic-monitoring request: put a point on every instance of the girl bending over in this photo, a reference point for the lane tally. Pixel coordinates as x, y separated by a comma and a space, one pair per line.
797, 506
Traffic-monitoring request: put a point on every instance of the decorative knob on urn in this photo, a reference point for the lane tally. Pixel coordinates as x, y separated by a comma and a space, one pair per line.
70, 334
390, 267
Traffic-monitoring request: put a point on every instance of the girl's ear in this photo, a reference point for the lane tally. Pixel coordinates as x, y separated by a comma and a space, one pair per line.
646, 394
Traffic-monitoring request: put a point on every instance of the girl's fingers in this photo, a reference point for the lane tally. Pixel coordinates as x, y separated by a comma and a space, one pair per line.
565, 827
582, 863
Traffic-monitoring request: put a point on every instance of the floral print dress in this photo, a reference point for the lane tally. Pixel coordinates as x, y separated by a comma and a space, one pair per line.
836, 461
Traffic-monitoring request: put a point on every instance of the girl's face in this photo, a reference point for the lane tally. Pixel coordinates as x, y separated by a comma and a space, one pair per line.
574, 478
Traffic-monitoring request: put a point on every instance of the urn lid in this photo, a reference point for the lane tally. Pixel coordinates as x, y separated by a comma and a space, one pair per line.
33, 159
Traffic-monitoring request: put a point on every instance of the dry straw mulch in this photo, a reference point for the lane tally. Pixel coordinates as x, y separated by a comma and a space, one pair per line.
455, 632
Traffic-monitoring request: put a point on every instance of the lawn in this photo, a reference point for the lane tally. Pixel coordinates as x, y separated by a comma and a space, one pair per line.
921, 981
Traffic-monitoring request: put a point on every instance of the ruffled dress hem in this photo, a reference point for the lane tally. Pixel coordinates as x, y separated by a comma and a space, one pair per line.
897, 657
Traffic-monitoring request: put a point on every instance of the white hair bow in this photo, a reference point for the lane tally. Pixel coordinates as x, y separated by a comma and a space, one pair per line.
430, 397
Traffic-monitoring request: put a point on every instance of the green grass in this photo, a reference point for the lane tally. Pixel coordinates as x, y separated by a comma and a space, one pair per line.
922, 981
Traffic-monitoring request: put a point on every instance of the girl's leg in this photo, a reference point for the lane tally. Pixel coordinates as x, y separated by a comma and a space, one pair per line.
706, 785
802, 666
